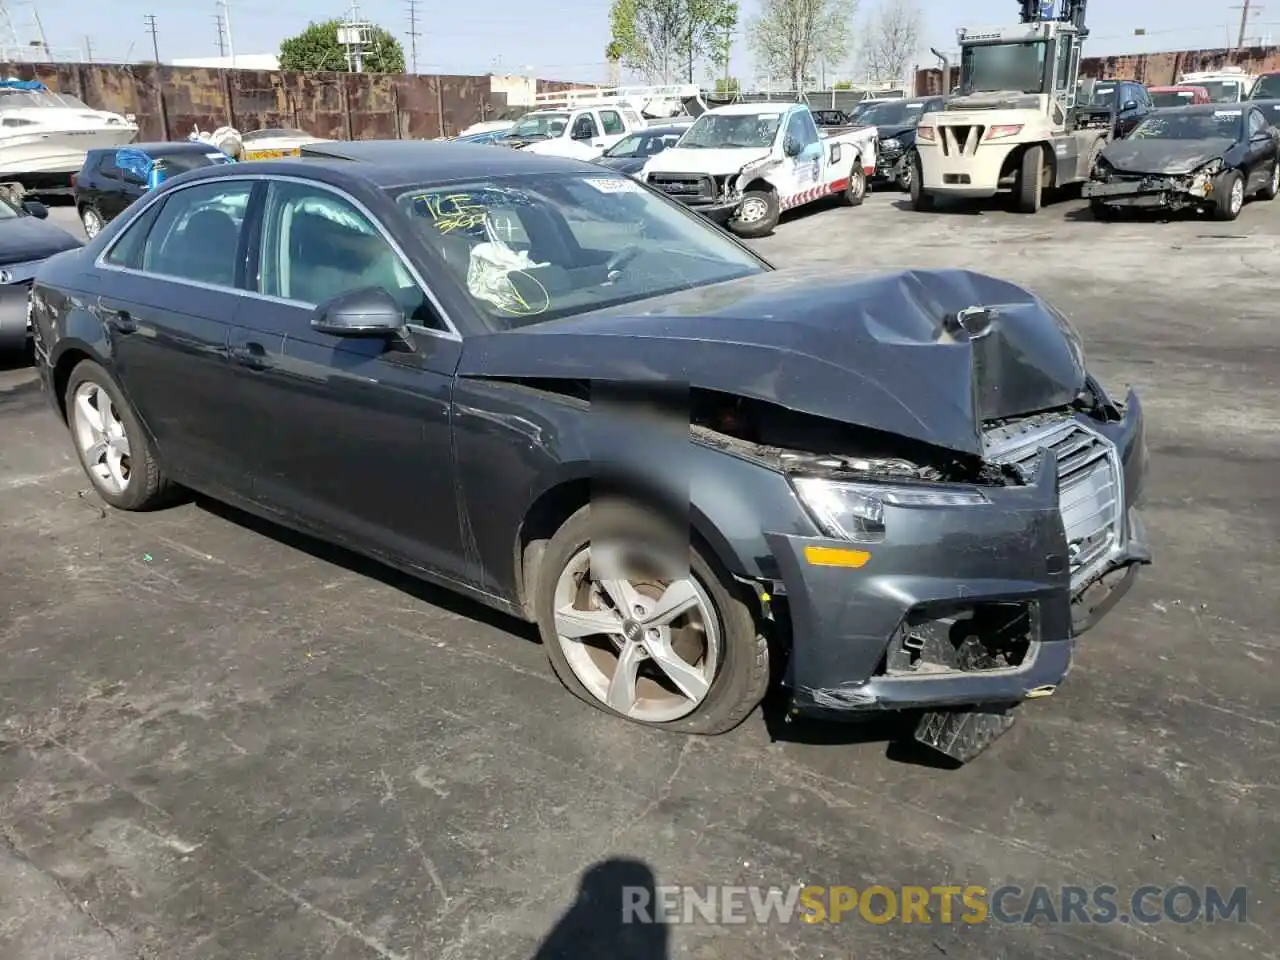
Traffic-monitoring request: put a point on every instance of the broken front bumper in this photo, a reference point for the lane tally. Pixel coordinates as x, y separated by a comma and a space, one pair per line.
971, 605
1154, 191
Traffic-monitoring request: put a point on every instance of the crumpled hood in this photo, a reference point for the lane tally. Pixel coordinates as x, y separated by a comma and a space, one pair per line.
894, 131
24, 239
1166, 157
883, 352
701, 160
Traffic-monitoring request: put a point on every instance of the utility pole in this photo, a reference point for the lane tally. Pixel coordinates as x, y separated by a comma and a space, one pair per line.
88, 49
222, 36
150, 18
1247, 8
413, 36
352, 34
226, 26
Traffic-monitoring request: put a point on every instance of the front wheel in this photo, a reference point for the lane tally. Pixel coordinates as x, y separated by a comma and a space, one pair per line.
921, 200
113, 448
1229, 196
907, 174
1030, 187
645, 630
757, 214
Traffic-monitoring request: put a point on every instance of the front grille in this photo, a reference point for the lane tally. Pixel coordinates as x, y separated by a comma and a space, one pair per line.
1090, 489
960, 139
685, 186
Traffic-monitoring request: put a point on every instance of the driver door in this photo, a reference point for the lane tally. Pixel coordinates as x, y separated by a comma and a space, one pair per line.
805, 168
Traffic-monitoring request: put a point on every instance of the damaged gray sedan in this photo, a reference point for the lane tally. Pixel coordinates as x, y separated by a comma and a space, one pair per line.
1209, 157
551, 389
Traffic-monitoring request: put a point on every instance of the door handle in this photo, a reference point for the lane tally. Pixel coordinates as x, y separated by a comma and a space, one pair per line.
119, 320
251, 355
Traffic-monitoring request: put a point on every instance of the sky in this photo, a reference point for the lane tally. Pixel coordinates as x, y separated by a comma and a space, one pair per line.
552, 39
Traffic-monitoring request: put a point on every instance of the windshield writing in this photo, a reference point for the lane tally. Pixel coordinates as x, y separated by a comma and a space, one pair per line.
534, 248
540, 125
1190, 126
729, 131
992, 67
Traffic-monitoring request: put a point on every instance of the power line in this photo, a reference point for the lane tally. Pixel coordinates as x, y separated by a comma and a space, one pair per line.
150, 18
413, 36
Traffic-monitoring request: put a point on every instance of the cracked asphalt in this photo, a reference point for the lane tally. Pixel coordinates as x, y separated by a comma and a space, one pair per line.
222, 740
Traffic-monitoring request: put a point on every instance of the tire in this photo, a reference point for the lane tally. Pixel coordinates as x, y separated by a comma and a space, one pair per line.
908, 175
145, 486
762, 225
1030, 189
856, 192
1101, 211
738, 672
921, 201
92, 220
1228, 194
1272, 189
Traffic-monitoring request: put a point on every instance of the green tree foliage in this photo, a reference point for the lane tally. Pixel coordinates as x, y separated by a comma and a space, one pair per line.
317, 48
666, 39
790, 38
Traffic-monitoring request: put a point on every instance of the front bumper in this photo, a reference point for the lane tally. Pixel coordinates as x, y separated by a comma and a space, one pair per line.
999, 582
889, 167
1153, 191
963, 169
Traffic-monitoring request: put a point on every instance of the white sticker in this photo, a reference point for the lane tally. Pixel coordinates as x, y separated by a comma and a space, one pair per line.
216, 155
1227, 113
610, 185
914, 106
769, 116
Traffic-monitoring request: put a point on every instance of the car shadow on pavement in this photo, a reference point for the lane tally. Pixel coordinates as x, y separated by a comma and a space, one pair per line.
363, 566
599, 924
17, 359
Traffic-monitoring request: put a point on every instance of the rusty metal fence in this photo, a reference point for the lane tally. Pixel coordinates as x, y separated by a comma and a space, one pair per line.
168, 102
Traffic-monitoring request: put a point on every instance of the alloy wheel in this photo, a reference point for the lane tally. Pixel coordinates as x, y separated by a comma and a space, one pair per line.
92, 221
101, 437
643, 640
1237, 195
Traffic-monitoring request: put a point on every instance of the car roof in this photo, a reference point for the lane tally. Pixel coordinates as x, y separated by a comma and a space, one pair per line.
159, 147
664, 128
764, 106
1177, 88
396, 163
1200, 109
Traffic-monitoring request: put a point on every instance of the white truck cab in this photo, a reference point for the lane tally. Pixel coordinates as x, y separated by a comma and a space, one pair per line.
584, 122
1228, 85
745, 163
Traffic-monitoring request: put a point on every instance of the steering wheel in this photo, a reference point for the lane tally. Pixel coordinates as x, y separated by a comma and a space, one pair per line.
621, 259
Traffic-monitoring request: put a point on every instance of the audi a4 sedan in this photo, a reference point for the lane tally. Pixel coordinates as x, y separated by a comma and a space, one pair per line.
546, 386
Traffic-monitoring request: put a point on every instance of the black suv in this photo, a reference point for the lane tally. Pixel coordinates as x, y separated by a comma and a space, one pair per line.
114, 177
1095, 100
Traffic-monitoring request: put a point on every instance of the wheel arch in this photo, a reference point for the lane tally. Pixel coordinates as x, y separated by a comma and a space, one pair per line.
1013, 160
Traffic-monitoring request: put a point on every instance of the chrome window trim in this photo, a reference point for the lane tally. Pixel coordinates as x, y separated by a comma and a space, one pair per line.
100, 262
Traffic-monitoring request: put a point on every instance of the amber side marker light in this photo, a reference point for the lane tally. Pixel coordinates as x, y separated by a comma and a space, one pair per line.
836, 557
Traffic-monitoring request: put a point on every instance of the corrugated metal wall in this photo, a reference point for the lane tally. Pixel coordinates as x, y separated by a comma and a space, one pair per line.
169, 101
1153, 69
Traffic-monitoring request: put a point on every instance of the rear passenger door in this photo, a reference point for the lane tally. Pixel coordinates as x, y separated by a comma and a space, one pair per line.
171, 286
358, 438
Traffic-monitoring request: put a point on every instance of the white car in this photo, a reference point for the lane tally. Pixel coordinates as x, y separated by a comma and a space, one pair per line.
582, 133
746, 163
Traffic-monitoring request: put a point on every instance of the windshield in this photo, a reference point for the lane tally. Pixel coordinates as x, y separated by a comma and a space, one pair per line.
642, 145
1223, 91
540, 125
892, 113
533, 248
1102, 95
991, 67
1173, 98
1267, 88
43, 99
1218, 125
7, 210
732, 131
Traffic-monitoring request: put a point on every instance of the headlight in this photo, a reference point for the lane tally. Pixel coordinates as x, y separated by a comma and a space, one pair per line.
893, 143
1103, 168
855, 511
1211, 169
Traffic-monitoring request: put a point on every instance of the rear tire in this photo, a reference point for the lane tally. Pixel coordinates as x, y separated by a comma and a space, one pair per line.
728, 685
1272, 189
1228, 194
91, 220
1030, 184
110, 442
763, 210
856, 192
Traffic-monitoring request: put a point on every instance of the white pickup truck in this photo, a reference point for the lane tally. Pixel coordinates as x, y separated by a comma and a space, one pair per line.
580, 132
744, 164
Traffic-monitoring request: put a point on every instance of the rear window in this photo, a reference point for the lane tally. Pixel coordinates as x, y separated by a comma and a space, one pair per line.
175, 163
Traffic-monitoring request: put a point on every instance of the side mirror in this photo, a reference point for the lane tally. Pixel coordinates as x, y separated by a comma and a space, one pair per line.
792, 147
369, 312
36, 209
1129, 105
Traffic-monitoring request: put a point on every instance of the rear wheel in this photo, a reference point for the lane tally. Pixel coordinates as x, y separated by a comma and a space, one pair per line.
1272, 189
856, 191
1228, 196
1030, 190
646, 630
757, 214
92, 220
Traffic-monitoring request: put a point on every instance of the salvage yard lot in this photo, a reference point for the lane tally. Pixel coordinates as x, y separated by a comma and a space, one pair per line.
220, 740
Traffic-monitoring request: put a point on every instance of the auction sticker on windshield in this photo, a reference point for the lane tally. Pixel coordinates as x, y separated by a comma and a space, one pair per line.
610, 185
1227, 113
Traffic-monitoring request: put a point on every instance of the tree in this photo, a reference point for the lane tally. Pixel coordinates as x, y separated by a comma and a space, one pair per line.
317, 48
892, 39
791, 37
666, 39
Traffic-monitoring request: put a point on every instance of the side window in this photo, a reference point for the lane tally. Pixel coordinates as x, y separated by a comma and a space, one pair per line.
1257, 122
611, 122
107, 167
584, 127
128, 250
632, 118
809, 127
197, 234
317, 245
